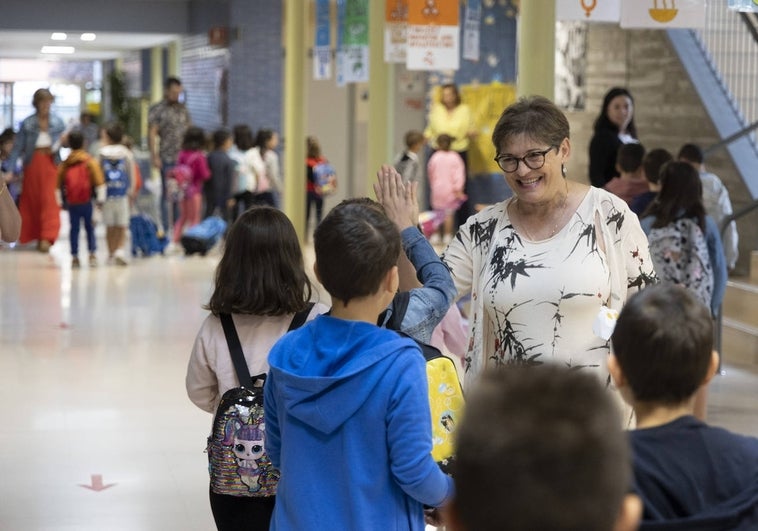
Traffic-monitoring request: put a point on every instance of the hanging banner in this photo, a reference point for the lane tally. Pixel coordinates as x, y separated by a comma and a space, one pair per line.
433, 35
588, 10
395, 30
471, 30
322, 52
353, 60
663, 14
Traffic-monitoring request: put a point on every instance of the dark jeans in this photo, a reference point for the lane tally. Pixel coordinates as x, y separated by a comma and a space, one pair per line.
77, 213
313, 199
238, 513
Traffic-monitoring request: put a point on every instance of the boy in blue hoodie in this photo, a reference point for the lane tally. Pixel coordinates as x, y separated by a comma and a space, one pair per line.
346, 402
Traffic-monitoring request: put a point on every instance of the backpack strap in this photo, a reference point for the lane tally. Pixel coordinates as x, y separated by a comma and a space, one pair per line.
399, 307
299, 319
235, 349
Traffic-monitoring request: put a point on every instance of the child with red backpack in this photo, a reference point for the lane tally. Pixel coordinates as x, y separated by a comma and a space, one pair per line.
78, 175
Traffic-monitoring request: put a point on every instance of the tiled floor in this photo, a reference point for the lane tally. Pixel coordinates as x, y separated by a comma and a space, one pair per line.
92, 365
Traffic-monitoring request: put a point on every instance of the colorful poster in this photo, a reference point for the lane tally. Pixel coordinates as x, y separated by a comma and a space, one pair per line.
662, 14
322, 52
472, 21
433, 35
354, 58
588, 10
395, 31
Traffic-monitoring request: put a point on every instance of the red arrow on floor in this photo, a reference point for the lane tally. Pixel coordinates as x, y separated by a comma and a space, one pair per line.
97, 483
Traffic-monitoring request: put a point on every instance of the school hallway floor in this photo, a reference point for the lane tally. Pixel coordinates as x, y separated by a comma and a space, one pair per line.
98, 433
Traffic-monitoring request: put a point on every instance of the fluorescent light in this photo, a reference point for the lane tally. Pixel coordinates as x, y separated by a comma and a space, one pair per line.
58, 49
58, 36
88, 36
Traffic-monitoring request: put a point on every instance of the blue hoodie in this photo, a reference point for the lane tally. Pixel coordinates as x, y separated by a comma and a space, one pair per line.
348, 424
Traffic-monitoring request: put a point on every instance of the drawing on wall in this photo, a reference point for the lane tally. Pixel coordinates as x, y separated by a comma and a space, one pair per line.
571, 65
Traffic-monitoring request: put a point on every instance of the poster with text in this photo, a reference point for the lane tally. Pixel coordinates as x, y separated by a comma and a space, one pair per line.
322, 51
662, 14
433, 35
395, 31
588, 10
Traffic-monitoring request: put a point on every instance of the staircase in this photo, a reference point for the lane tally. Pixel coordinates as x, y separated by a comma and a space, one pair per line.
739, 341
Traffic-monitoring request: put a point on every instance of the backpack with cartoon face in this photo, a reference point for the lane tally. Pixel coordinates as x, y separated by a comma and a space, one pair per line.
680, 256
116, 177
237, 461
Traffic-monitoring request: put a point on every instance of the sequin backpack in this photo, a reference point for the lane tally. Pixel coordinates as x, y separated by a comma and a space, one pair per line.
237, 461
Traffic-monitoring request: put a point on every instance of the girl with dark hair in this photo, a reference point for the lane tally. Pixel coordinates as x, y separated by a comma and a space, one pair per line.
192, 156
614, 127
679, 207
261, 282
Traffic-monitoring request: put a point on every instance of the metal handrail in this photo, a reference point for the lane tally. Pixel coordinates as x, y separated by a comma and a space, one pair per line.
719, 317
731, 138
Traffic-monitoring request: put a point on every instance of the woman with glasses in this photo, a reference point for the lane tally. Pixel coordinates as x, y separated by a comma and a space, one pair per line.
541, 265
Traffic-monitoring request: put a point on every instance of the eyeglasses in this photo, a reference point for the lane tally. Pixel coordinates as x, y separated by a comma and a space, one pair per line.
533, 160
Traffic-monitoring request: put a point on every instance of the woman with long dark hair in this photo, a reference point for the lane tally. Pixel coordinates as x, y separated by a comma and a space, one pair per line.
614, 127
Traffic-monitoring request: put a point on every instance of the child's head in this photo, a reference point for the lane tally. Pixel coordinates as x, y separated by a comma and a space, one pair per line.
414, 140
541, 448
444, 142
653, 162
243, 137
221, 138
312, 148
356, 246
629, 158
261, 271
662, 345
75, 139
691, 153
194, 138
114, 133
7, 137
266, 139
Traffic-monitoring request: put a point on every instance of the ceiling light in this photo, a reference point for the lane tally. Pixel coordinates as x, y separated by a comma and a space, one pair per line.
58, 36
88, 36
58, 49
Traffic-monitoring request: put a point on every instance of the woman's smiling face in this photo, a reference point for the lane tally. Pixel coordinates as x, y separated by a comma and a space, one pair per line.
535, 185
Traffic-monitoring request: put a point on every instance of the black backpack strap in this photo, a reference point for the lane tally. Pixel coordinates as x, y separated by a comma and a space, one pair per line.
398, 307
235, 349
299, 319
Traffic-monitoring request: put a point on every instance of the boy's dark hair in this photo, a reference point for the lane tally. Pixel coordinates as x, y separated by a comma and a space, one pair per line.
413, 138
653, 162
7, 134
172, 81
356, 245
220, 136
444, 141
261, 271
75, 139
691, 153
115, 132
194, 138
663, 341
243, 137
540, 448
629, 157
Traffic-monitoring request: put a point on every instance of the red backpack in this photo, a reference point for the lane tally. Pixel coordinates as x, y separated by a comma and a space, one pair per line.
77, 186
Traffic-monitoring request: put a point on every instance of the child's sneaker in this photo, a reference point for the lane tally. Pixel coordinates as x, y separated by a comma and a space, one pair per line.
92, 260
75, 263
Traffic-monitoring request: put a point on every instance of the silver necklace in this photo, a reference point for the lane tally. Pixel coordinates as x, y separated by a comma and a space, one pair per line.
561, 214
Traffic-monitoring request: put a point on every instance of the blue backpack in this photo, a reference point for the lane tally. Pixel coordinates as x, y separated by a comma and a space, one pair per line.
116, 177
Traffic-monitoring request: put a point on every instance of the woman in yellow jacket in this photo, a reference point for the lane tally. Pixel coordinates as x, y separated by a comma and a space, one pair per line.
452, 117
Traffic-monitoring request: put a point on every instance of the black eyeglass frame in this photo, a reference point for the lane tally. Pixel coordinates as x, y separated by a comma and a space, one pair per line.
499, 158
